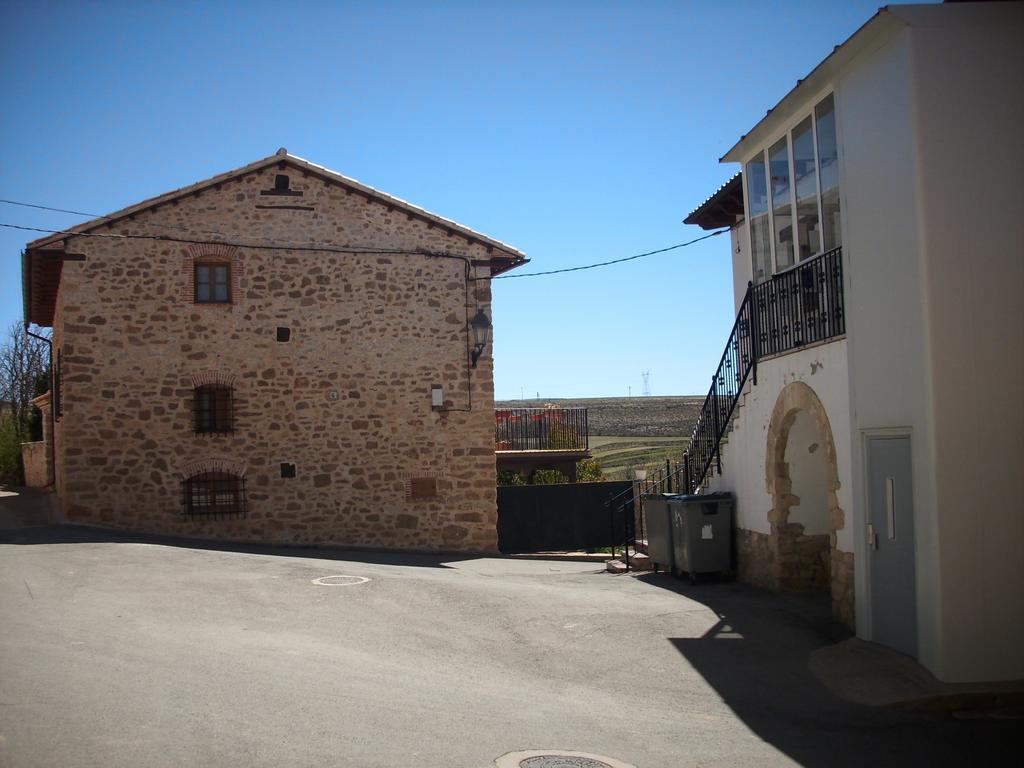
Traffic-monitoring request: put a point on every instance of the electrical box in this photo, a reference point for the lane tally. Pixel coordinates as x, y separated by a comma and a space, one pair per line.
437, 396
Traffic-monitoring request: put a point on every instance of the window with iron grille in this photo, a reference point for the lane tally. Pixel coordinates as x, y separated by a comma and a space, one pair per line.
214, 494
213, 409
213, 283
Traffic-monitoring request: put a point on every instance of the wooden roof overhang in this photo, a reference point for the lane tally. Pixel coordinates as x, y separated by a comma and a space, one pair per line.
40, 280
723, 209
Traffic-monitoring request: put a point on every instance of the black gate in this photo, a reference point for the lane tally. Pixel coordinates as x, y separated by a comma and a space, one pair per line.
561, 518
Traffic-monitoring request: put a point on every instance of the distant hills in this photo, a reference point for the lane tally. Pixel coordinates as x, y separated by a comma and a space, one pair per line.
628, 416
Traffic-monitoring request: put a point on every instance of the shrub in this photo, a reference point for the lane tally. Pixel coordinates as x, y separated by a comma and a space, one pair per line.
589, 471
510, 477
548, 477
11, 472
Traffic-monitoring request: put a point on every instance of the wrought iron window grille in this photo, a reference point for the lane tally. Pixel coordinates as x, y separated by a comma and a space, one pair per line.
217, 495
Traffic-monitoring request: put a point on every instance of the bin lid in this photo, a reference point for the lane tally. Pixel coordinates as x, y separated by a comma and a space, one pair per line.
684, 498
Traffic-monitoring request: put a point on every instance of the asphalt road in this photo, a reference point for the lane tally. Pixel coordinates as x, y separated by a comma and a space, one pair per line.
154, 653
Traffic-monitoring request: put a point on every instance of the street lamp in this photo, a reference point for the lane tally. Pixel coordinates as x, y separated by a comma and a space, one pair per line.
481, 327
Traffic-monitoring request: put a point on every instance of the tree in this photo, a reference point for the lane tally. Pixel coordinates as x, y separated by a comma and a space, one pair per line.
24, 374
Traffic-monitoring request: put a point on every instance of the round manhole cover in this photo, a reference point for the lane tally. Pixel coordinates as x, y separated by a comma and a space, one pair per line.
340, 581
562, 761
550, 758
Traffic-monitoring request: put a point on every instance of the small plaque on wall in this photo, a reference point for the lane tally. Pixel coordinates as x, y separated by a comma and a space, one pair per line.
423, 488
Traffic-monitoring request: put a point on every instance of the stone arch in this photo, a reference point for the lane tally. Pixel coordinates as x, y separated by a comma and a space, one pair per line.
213, 377
802, 561
213, 464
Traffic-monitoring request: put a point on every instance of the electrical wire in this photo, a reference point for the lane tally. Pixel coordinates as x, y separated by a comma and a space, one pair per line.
330, 249
253, 246
107, 218
613, 261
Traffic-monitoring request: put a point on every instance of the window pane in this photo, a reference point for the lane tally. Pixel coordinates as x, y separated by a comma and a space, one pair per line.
757, 187
220, 292
202, 274
760, 245
808, 236
220, 274
782, 208
828, 171
203, 291
757, 212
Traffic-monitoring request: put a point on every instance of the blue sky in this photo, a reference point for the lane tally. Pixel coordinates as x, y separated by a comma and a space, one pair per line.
577, 132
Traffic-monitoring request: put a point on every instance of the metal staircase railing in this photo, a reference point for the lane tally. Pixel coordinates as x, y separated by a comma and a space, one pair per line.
801, 306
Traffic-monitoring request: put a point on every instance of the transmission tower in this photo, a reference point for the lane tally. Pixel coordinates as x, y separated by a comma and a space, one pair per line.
647, 383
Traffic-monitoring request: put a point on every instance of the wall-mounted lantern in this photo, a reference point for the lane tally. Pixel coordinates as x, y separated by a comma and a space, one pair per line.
481, 327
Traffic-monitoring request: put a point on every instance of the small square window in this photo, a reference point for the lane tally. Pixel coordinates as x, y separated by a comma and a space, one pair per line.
213, 283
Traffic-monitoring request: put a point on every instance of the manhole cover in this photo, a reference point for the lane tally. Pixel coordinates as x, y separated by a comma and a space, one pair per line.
562, 761
549, 758
340, 581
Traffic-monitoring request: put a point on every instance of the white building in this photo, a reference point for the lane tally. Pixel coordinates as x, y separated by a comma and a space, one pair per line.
880, 454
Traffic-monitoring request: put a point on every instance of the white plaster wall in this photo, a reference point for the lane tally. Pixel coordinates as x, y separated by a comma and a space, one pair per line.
805, 455
884, 303
742, 269
824, 369
969, 97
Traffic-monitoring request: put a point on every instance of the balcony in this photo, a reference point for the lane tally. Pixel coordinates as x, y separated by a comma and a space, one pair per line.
801, 306
528, 439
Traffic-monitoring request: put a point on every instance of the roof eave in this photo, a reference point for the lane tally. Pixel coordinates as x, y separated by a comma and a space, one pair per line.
882, 23
451, 227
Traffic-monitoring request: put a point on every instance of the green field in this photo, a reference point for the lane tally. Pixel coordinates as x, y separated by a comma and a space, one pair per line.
620, 454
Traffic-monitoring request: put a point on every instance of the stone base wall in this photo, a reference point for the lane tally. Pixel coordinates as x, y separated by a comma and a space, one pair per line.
755, 559
802, 561
788, 561
842, 588
36, 462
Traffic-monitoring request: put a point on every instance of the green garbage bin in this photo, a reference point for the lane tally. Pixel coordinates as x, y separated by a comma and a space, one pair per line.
701, 533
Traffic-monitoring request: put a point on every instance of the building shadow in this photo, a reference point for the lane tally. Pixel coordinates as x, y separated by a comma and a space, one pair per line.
756, 657
25, 520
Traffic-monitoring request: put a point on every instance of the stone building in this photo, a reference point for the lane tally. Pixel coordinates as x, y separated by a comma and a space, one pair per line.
278, 353
870, 391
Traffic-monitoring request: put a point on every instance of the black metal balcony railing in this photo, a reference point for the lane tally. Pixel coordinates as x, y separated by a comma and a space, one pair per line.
541, 429
801, 306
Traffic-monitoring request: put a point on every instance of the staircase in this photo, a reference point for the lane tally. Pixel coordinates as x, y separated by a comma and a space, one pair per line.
795, 308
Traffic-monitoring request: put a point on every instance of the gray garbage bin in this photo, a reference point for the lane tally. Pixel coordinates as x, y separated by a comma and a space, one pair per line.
701, 533
658, 524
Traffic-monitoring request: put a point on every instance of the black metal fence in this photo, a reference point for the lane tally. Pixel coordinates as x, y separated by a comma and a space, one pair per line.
541, 429
562, 517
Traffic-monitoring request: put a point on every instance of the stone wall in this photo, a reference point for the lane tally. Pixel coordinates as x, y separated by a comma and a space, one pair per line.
35, 460
347, 399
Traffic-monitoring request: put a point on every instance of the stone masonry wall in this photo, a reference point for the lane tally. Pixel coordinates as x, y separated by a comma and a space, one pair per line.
347, 399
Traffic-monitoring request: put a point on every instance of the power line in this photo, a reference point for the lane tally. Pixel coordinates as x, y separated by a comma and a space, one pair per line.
109, 218
613, 261
56, 210
332, 249
254, 246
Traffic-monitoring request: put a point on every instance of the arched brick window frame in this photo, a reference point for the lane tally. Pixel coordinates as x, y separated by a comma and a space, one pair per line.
211, 253
213, 487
